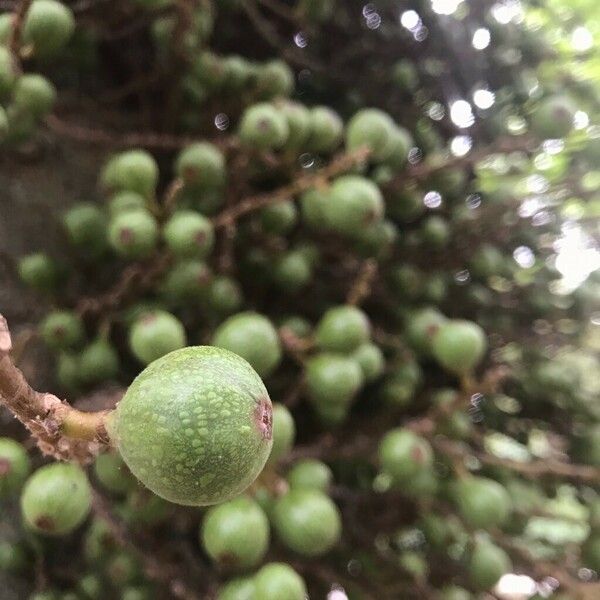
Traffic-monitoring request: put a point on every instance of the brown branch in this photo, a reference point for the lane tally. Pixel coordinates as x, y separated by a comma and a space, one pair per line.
303, 183
60, 430
134, 279
149, 139
580, 590
423, 170
361, 287
14, 41
537, 468
264, 27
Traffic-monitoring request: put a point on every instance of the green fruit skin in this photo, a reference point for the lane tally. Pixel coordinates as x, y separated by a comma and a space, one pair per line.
310, 474
279, 218
137, 593
86, 229
155, 334
374, 129
48, 27
292, 271
39, 271
307, 521
421, 328
399, 386
317, 10
133, 234
459, 346
8, 74
276, 581
326, 130
98, 362
275, 78
67, 371
553, 118
126, 201
254, 338
487, 564
201, 166
56, 499
189, 234
454, 592
122, 569
13, 557
298, 121
14, 466
224, 295
98, 542
91, 586
143, 508
236, 534
404, 454
133, 171
370, 359
482, 502
353, 203
284, 432
263, 127
61, 330
343, 329
590, 553
113, 474
331, 415
186, 283
242, 588
34, 94
195, 426
332, 379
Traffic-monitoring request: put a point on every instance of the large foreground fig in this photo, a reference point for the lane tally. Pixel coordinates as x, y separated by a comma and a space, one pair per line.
195, 426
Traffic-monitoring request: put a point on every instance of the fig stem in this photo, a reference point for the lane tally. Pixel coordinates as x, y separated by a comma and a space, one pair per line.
60, 430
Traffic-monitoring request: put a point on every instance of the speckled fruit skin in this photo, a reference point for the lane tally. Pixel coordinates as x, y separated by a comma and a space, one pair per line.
482, 502
307, 521
487, 564
276, 581
14, 466
195, 426
236, 534
56, 499
459, 346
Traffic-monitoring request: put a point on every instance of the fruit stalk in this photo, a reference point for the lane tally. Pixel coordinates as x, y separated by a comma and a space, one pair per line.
61, 431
